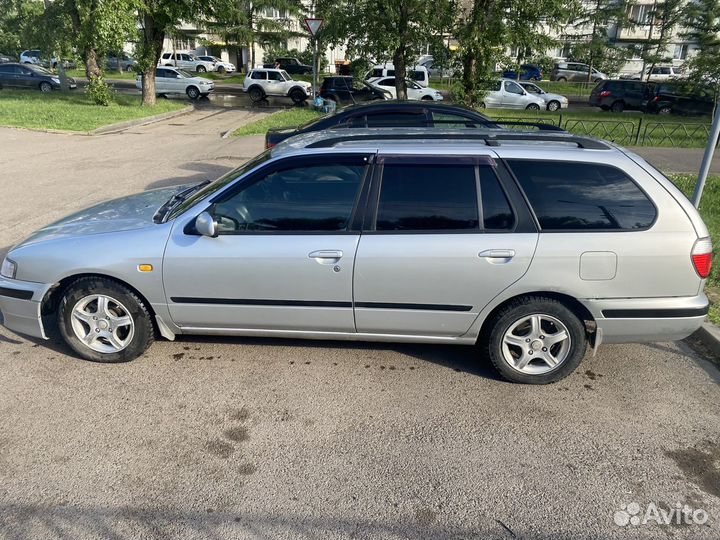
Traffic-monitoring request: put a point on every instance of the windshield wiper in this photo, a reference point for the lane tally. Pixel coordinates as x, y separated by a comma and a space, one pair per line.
168, 206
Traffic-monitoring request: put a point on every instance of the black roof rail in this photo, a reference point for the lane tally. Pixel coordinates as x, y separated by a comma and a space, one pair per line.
491, 139
540, 125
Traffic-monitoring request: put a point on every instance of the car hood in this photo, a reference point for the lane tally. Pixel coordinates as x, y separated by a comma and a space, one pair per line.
127, 213
200, 80
547, 96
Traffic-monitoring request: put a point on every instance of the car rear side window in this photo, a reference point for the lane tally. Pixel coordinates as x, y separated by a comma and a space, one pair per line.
397, 118
428, 198
496, 211
583, 196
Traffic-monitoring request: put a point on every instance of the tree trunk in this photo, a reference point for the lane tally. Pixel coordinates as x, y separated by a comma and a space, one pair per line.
400, 73
153, 38
92, 69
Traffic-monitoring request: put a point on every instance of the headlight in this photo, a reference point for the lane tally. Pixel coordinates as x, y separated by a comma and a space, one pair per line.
56, 80
8, 269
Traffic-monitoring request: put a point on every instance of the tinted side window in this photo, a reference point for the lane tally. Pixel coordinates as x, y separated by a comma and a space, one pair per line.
427, 198
405, 119
308, 198
259, 75
497, 213
583, 196
452, 121
274, 76
7, 69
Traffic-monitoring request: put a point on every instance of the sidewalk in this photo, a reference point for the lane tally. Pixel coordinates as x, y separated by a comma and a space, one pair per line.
677, 160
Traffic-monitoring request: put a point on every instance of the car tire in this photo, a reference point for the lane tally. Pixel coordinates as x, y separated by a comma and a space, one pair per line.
617, 106
554, 105
532, 107
561, 79
104, 321
201, 69
221, 70
427, 98
604, 107
665, 110
256, 94
193, 92
297, 96
45, 87
541, 319
482, 105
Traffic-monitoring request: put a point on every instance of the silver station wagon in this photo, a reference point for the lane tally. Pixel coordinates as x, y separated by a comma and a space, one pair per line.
533, 247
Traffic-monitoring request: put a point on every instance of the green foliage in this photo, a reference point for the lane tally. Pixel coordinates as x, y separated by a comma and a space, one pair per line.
99, 91
294, 117
601, 54
305, 57
702, 21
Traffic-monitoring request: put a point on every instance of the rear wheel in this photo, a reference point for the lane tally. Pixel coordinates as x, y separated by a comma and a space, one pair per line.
45, 87
256, 94
553, 105
535, 340
561, 79
664, 110
104, 321
192, 92
533, 107
201, 69
617, 106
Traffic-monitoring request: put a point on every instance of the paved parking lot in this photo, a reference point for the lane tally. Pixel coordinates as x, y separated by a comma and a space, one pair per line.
250, 438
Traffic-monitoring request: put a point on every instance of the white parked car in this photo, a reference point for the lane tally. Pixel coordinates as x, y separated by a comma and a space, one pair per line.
178, 81
553, 102
261, 83
414, 90
659, 74
186, 61
507, 94
419, 74
220, 65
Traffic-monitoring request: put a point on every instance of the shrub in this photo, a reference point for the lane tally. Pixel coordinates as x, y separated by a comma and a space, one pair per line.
99, 91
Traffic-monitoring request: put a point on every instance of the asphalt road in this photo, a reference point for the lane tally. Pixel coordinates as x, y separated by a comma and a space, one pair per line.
265, 439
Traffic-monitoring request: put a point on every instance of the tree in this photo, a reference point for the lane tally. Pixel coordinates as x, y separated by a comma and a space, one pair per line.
243, 22
387, 29
702, 22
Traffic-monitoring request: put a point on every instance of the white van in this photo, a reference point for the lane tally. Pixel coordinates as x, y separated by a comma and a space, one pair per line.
419, 74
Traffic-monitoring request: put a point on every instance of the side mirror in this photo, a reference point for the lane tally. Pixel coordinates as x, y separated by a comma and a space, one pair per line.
206, 225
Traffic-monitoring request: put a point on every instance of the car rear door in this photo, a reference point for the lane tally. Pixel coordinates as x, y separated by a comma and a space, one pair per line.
442, 237
284, 255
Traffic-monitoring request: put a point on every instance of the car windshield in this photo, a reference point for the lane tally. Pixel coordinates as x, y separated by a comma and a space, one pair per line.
220, 183
285, 75
185, 74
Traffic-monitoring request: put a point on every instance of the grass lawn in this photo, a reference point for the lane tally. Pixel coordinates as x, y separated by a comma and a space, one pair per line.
109, 75
287, 118
72, 111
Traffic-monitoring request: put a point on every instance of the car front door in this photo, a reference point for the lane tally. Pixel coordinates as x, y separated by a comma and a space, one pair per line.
514, 96
25, 77
284, 255
434, 253
274, 86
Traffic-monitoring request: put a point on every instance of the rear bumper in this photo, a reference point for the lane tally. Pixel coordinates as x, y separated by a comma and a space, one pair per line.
640, 320
20, 305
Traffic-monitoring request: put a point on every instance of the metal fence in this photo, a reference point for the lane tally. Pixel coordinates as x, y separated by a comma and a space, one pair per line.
635, 132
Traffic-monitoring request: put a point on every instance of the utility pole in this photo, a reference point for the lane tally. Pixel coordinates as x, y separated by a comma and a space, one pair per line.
707, 159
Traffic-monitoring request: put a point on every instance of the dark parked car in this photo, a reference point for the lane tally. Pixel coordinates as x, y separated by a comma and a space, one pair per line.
345, 90
14, 75
619, 95
528, 72
680, 98
292, 65
388, 114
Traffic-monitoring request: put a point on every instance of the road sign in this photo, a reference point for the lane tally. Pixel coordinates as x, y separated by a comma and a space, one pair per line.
313, 25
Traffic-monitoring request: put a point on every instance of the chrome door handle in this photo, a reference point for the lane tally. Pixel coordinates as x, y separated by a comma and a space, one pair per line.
497, 254
326, 254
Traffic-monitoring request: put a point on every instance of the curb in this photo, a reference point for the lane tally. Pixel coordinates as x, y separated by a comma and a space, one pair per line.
709, 335
140, 121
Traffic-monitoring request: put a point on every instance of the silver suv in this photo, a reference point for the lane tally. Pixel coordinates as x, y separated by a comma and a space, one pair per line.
533, 246
575, 71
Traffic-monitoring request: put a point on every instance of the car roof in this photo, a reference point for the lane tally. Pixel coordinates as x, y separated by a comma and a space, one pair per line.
398, 105
442, 141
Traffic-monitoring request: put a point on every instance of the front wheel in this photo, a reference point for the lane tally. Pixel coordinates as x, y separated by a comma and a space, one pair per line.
664, 110
427, 98
535, 340
45, 87
103, 321
192, 92
298, 96
533, 107
201, 69
220, 70
553, 105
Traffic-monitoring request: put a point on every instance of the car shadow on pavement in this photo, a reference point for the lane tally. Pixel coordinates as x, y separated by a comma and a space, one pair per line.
25, 521
204, 171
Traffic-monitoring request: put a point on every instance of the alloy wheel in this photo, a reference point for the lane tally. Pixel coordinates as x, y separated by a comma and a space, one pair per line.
102, 323
536, 344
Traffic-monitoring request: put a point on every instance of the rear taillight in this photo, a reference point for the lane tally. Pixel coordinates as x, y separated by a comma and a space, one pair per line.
268, 145
605, 93
702, 257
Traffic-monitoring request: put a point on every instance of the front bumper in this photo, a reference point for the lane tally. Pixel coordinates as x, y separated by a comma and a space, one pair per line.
20, 304
642, 320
